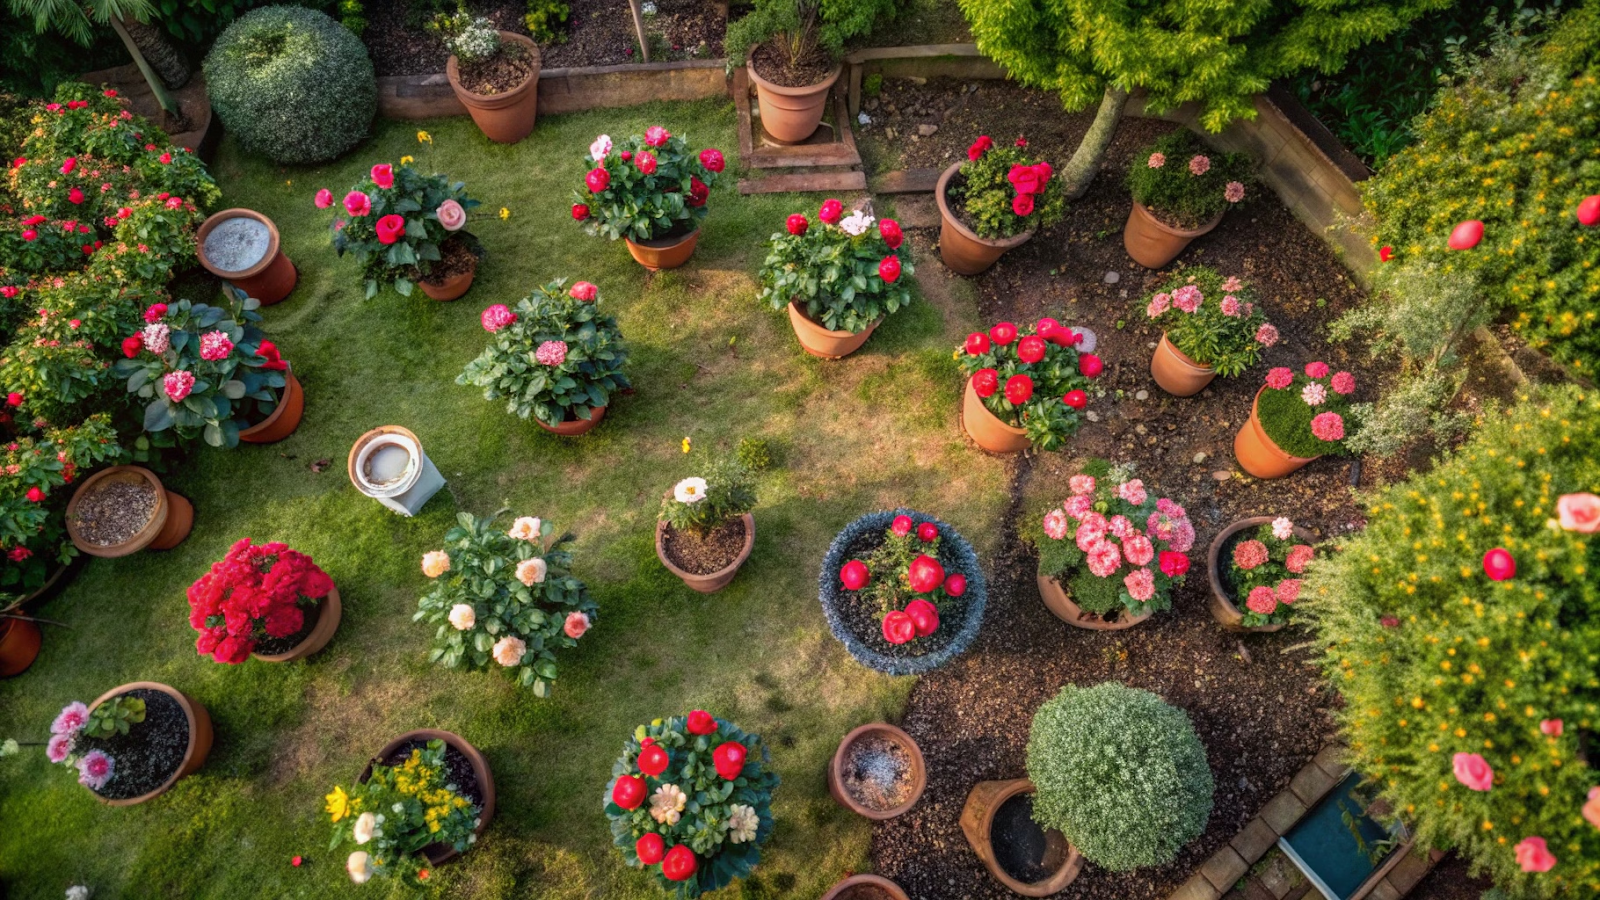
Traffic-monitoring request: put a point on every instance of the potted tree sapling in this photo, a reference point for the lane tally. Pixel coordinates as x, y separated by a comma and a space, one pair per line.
1295, 419
838, 279
266, 601
1257, 563
651, 191
994, 202
406, 228
1180, 192
495, 75
1210, 326
133, 742
1026, 389
705, 531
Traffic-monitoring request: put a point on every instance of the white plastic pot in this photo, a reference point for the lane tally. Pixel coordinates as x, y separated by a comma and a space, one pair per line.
389, 465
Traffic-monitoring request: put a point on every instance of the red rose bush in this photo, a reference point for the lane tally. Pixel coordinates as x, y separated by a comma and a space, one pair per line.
645, 188
1036, 380
254, 594
401, 225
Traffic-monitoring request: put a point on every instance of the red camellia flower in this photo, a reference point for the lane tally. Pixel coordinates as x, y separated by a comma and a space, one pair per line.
1466, 235
653, 760
980, 146
74, 196
924, 616
831, 212
655, 136
854, 575
597, 180
132, 345
383, 175
977, 343
902, 525
898, 628
892, 235
1589, 210
927, 531
698, 191
924, 574
1021, 141
646, 161
701, 722
35, 495
357, 203
1090, 365
889, 269
985, 382
1173, 563
1498, 564
13, 399
628, 792
30, 235
679, 864
155, 313
955, 584
1022, 204
712, 160
165, 159
797, 224
650, 848
1019, 389
1003, 333
68, 164
1030, 349
31, 221
1076, 399
390, 228
1385, 253
729, 759
1046, 328
580, 211
1025, 179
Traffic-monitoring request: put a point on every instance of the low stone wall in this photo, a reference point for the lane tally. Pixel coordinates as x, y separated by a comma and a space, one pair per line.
564, 90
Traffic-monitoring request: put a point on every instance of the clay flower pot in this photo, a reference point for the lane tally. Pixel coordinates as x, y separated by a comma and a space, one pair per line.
820, 342
963, 252
285, 417
1058, 601
1152, 243
789, 115
168, 525
439, 854
269, 280
574, 427
865, 887
1223, 609
1177, 374
20, 641
977, 821
663, 253
986, 429
452, 287
716, 581
321, 634
1256, 452
194, 754
503, 118
886, 732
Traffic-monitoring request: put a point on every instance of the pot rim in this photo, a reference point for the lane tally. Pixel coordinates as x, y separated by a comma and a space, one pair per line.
665, 243
1214, 555
380, 431
949, 216
289, 383
217, 218
894, 734
330, 603
816, 88
744, 553
1183, 358
1186, 233
188, 707
140, 540
865, 879
452, 70
1120, 625
1008, 788
836, 335
469, 273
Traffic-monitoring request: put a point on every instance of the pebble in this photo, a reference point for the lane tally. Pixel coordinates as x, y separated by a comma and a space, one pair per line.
1112, 278
1142, 395
1139, 429
865, 119
1151, 345
888, 133
927, 129
1092, 416
1222, 474
1199, 458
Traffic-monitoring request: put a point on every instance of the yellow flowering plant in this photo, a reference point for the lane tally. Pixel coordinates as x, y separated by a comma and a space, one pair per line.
388, 819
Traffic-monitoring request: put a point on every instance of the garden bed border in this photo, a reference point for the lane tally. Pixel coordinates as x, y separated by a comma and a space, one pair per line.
565, 90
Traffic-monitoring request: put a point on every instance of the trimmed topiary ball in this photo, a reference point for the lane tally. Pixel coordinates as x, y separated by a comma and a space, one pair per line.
292, 84
1120, 773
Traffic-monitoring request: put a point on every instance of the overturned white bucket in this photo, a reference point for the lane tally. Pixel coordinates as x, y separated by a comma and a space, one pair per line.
388, 465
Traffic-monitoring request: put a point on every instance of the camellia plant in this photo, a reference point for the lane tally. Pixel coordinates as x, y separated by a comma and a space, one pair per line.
555, 357
1183, 183
506, 597
1036, 381
399, 810
844, 274
904, 579
1000, 192
1305, 414
1214, 321
691, 800
255, 593
77, 731
399, 224
645, 188
33, 534
1263, 572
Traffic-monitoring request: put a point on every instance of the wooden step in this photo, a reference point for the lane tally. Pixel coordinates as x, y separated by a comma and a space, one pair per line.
804, 182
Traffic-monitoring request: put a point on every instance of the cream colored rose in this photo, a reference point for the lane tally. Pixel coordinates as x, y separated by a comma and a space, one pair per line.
435, 563
525, 528
463, 616
365, 823
508, 651
532, 571
359, 865
742, 823
666, 804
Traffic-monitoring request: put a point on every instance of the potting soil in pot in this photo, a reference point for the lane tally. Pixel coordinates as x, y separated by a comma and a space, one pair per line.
271, 646
237, 244
703, 556
1018, 841
145, 757
865, 621
877, 773
115, 511
458, 768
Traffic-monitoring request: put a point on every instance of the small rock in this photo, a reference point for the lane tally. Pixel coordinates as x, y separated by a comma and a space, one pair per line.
872, 103
1112, 278
1142, 395
1092, 416
888, 133
864, 119
1222, 474
1151, 345
1199, 458
1139, 429
916, 139
916, 79
927, 129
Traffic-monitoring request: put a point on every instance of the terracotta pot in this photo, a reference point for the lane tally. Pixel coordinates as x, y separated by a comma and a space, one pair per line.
919, 770
503, 118
663, 253
1058, 601
1256, 452
963, 252
321, 634
820, 342
439, 854
285, 417
269, 280
716, 581
574, 427
157, 534
986, 429
789, 115
1152, 243
451, 288
180, 520
20, 641
1223, 609
1177, 374
866, 887
977, 819
200, 736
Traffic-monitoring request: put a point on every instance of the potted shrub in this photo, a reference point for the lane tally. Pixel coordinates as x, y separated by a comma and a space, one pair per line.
1112, 554
504, 597
1024, 856
422, 801
495, 75
407, 228
1180, 192
651, 191
133, 742
241, 246
877, 772
266, 601
994, 202
902, 591
121, 510
1294, 419
1210, 326
577, 354
691, 800
1256, 563
1025, 389
837, 280
705, 531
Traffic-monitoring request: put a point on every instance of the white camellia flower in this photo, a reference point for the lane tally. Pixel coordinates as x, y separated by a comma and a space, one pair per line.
359, 865
463, 616
742, 823
365, 823
856, 223
690, 490
508, 650
1282, 528
601, 147
526, 528
532, 571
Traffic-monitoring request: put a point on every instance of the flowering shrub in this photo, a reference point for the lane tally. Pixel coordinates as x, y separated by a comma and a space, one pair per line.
1112, 545
556, 357
473, 39
701, 504
504, 596
1000, 192
1185, 184
646, 187
1306, 414
1227, 334
397, 223
253, 594
1038, 381
33, 534
398, 811
1460, 628
1262, 572
903, 578
844, 273
691, 799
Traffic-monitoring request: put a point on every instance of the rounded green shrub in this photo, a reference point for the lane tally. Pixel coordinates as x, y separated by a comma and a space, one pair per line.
292, 84
1121, 773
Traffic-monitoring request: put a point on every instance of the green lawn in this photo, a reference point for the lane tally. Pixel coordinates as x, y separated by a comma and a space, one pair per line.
709, 363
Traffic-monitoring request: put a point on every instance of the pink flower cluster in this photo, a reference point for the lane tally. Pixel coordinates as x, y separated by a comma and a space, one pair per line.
497, 317
1199, 164
177, 385
95, 768
1328, 426
1108, 543
1156, 160
551, 353
1187, 298
215, 346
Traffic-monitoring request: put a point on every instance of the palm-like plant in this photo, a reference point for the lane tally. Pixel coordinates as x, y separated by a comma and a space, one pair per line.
75, 19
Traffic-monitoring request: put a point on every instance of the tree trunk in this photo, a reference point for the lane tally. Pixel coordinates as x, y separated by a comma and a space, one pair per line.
1085, 162
159, 52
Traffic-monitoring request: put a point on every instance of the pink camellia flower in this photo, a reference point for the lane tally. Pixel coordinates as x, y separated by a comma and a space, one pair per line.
1533, 855
1082, 484
1328, 426
1591, 807
324, 198
597, 180
1230, 305
1141, 584
1316, 370
1138, 549
1199, 164
584, 291
8, 291
1078, 506
1262, 600
1121, 527
712, 160
600, 148
1280, 378
165, 159
215, 345
1299, 557
551, 353
1282, 527
29, 234
1234, 192
1343, 383
95, 769
497, 317
1159, 304
1055, 524
831, 212
1091, 531
58, 748
178, 385
1104, 559
75, 196
655, 136
1473, 771
646, 161
357, 203
390, 228
383, 175
451, 215
157, 337
1232, 285
1187, 298
71, 719
1132, 491
1249, 554
1314, 394
1288, 591
1551, 727
1579, 512
577, 623
1156, 160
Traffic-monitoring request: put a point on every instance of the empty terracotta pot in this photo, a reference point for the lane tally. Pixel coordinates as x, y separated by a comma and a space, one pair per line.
503, 118
819, 341
20, 641
1256, 452
977, 822
1223, 609
866, 887
574, 427
791, 114
321, 634
963, 252
841, 759
269, 280
194, 754
168, 525
438, 854
986, 429
452, 287
180, 521
283, 420
663, 253
716, 581
1152, 243
1057, 599
1177, 374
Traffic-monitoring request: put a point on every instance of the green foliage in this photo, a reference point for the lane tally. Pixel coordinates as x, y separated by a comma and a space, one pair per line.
410, 256
754, 454
872, 85
411, 805
728, 491
353, 16
1121, 773
833, 272
1434, 659
473, 40
198, 21
114, 717
1210, 335
33, 535
1220, 53
669, 201
547, 20
801, 28
986, 200
1163, 177
1287, 416
77, 20
292, 85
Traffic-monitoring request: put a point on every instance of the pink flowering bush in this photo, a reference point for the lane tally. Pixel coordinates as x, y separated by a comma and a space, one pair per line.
1261, 571
255, 594
1112, 545
1003, 191
401, 225
1307, 414
1214, 321
645, 188
1184, 184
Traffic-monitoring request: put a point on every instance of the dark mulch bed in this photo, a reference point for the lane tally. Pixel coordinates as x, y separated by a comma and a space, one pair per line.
400, 44
145, 757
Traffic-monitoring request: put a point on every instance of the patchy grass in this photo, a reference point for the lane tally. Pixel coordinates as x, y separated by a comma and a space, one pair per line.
710, 364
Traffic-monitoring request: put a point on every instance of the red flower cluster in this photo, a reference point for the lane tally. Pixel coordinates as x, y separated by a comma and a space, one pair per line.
253, 593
